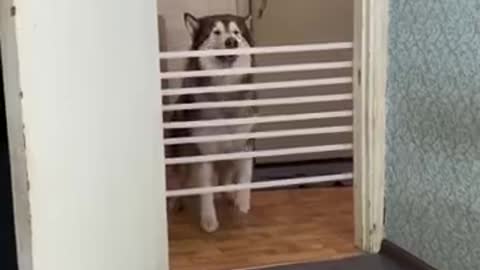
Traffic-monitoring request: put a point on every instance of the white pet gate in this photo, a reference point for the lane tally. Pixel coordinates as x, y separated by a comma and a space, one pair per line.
319, 99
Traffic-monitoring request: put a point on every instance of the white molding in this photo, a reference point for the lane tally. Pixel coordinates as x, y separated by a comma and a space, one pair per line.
18, 164
370, 77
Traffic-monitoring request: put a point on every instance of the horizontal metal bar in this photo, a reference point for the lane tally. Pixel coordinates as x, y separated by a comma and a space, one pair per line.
260, 185
258, 135
255, 70
256, 102
258, 50
257, 120
256, 86
258, 154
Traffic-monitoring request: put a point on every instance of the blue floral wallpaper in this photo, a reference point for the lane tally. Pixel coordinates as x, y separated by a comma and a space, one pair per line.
433, 121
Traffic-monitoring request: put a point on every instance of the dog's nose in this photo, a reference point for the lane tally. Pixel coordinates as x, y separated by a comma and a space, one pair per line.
231, 43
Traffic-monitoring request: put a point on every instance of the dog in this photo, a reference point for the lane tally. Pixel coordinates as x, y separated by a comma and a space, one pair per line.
210, 33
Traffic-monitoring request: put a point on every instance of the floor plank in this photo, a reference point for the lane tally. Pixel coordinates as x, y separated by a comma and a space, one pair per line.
284, 226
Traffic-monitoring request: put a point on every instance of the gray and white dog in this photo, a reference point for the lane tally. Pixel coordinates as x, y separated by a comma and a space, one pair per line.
214, 32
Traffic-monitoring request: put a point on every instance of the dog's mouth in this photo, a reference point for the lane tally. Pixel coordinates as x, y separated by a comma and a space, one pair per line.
227, 58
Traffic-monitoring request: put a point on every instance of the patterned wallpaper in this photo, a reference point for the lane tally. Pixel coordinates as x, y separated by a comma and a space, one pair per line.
433, 121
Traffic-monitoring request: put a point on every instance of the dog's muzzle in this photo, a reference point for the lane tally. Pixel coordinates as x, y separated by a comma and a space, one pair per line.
230, 43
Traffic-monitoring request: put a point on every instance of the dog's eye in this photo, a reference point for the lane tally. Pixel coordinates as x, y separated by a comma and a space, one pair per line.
217, 32
236, 32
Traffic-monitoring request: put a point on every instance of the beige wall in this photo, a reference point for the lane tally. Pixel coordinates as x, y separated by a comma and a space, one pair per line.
307, 21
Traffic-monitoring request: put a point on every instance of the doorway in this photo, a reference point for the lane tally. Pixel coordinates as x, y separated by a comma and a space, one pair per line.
292, 223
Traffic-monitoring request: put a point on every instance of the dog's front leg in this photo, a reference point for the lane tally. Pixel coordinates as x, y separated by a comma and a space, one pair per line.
174, 182
208, 213
242, 200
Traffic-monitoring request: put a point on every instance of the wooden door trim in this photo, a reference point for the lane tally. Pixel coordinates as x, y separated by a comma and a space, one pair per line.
370, 80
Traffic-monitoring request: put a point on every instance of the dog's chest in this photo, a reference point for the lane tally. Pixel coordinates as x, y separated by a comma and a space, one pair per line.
211, 63
227, 80
226, 146
224, 113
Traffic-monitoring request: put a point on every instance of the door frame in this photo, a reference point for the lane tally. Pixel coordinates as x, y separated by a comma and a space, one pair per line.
370, 82
370, 79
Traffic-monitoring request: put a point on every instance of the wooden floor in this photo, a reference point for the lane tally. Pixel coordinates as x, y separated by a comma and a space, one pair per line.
284, 226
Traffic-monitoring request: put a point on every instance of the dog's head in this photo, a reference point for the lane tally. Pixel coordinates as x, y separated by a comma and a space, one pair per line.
219, 32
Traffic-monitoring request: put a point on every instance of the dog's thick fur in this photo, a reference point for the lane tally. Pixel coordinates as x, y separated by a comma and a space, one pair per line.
214, 32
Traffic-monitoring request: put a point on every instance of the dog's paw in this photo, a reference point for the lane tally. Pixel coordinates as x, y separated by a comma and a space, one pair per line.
243, 205
242, 201
209, 223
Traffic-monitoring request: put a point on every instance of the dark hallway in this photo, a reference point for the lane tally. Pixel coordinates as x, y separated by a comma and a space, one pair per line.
7, 232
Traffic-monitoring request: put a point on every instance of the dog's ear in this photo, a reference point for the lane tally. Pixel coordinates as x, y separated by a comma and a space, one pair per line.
191, 22
248, 21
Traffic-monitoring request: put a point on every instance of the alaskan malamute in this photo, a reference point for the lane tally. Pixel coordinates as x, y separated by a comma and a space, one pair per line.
215, 32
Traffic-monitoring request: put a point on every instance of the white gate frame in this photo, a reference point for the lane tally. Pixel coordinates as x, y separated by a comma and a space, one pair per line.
18, 26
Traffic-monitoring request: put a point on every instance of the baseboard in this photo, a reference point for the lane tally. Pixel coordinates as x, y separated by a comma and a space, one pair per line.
287, 170
303, 162
400, 255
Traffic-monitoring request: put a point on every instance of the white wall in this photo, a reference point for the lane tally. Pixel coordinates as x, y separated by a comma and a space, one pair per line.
91, 108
